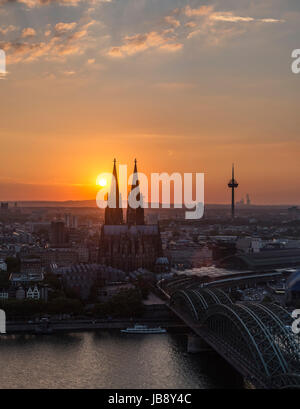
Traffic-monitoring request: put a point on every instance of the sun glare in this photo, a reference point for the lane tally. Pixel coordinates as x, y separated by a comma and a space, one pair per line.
101, 182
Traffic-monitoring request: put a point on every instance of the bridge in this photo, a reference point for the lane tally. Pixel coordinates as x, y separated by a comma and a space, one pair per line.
255, 338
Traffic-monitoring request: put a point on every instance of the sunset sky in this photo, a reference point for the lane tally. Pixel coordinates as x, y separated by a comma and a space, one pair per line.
183, 85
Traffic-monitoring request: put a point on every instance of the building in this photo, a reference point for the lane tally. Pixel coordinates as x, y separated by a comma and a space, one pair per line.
249, 244
114, 215
3, 265
293, 288
71, 221
74, 236
3, 294
20, 293
110, 290
4, 207
190, 255
31, 265
33, 293
58, 237
81, 277
64, 256
135, 216
26, 279
294, 213
267, 259
36, 227
131, 245
162, 265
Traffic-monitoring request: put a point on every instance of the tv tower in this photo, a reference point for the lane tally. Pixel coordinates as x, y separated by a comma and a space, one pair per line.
233, 184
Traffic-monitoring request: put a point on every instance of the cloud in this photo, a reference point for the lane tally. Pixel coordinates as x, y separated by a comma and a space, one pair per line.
169, 35
172, 21
231, 18
216, 26
190, 24
185, 23
69, 73
7, 29
201, 11
271, 20
28, 32
37, 3
62, 28
141, 42
63, 43
171, 46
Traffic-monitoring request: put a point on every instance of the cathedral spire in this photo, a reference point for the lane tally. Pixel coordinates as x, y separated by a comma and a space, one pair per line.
135, 216
114, 190
114, 215
135, 179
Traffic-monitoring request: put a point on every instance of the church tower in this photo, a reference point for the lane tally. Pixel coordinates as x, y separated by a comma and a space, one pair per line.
135, 216
114, 215
133, 245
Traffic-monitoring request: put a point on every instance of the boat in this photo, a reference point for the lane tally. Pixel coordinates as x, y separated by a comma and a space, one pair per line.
143, 329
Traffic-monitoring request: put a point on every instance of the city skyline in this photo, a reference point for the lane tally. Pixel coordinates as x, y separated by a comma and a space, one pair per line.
185, 86
149, 197
103, 181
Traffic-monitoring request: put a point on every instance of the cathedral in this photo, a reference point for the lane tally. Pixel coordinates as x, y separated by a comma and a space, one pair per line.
131, 245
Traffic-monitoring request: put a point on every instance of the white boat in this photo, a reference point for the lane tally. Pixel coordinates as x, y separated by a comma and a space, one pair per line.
143, 329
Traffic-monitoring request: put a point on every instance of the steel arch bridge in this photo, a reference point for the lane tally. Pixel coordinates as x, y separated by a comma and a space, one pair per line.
254, 338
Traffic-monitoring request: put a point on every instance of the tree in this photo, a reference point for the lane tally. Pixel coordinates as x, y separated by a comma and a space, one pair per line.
144, 286
13, 264
4, 279
267, 299
127, 303
64, 306
22, 308
53, 281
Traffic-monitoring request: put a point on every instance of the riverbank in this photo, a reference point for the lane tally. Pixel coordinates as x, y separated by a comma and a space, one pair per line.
86, 325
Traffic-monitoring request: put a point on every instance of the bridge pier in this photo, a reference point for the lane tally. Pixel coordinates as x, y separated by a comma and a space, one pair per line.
248, 384
196, 344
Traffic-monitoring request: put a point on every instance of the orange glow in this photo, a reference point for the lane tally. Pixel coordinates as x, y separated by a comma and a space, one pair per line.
101, 181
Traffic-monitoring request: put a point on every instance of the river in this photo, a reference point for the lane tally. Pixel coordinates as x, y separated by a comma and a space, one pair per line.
109, 359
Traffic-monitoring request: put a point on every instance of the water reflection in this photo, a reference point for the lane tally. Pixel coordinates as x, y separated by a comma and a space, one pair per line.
109, 360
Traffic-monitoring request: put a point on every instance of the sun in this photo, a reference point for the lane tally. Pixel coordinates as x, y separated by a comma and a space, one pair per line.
101, 182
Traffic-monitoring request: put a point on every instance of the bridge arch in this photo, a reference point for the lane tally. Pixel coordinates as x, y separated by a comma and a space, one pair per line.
197, 301
184, 300
232, 331
255, 338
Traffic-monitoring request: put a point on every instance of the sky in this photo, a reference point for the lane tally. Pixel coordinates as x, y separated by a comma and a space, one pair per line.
181, 85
